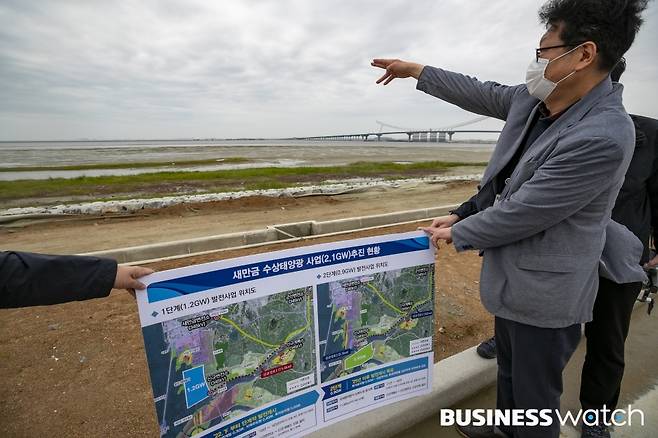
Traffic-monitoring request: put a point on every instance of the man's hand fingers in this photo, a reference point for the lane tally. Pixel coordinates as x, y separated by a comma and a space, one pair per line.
126, 277
433, 237
384, 76
442, 222
436, 223
135, 284
139, 271
389, 79
381, 63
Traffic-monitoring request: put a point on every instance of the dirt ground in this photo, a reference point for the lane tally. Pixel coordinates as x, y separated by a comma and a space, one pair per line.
79, 369
78, 234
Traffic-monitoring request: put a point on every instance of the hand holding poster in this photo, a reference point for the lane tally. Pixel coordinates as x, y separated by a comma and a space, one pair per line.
287, 342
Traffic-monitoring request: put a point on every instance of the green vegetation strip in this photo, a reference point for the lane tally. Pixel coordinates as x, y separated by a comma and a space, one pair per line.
164, 183
148, 164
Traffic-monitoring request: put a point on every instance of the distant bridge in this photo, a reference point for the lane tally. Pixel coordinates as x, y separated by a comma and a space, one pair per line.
422, 135
440, 135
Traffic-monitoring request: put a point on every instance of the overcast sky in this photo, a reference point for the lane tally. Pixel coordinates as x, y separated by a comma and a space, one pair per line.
182, 69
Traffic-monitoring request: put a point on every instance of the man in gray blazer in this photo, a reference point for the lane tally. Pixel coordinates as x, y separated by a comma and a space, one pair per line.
546, 196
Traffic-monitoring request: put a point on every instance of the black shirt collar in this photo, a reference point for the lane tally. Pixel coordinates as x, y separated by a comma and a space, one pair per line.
544, 113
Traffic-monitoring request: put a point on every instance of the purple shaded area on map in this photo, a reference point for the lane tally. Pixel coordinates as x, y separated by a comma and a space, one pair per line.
351, 301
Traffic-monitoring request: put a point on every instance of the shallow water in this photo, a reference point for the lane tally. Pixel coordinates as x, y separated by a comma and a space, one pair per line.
261, 154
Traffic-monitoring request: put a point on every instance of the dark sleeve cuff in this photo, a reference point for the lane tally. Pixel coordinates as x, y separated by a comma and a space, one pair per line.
465, 210
107, 273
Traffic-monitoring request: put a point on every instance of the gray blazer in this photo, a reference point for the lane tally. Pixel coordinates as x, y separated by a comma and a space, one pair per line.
620, 261
543, 238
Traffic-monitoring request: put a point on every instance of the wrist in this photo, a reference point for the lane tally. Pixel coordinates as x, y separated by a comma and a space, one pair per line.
454, 217
416, 70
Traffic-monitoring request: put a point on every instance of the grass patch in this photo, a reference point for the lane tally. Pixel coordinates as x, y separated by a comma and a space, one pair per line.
183, 163
168, 183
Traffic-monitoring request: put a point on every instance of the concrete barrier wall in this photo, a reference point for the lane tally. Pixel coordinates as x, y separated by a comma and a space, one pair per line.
188, 246
273, 233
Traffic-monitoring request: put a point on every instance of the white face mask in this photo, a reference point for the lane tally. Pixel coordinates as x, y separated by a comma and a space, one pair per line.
535, 79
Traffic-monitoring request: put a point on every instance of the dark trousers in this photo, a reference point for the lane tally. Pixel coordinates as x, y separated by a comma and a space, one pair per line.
606, 334
530, 364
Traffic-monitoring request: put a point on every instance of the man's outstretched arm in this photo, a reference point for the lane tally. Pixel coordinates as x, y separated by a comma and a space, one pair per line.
28, 279
486, 98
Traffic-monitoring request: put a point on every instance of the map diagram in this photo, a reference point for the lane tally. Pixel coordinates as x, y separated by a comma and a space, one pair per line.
223, 363
373, 319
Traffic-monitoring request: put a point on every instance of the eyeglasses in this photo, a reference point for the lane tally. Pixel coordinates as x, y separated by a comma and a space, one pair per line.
539, 49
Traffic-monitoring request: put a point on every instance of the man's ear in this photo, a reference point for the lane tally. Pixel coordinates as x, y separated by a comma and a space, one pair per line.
588, 54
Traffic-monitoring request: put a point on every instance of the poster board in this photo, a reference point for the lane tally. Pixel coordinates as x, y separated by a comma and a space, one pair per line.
287, 342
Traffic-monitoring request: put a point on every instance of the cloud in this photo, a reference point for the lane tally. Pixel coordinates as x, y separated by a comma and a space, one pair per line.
172, 69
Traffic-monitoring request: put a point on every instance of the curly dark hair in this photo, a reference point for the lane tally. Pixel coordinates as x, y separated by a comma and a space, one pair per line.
610, 24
